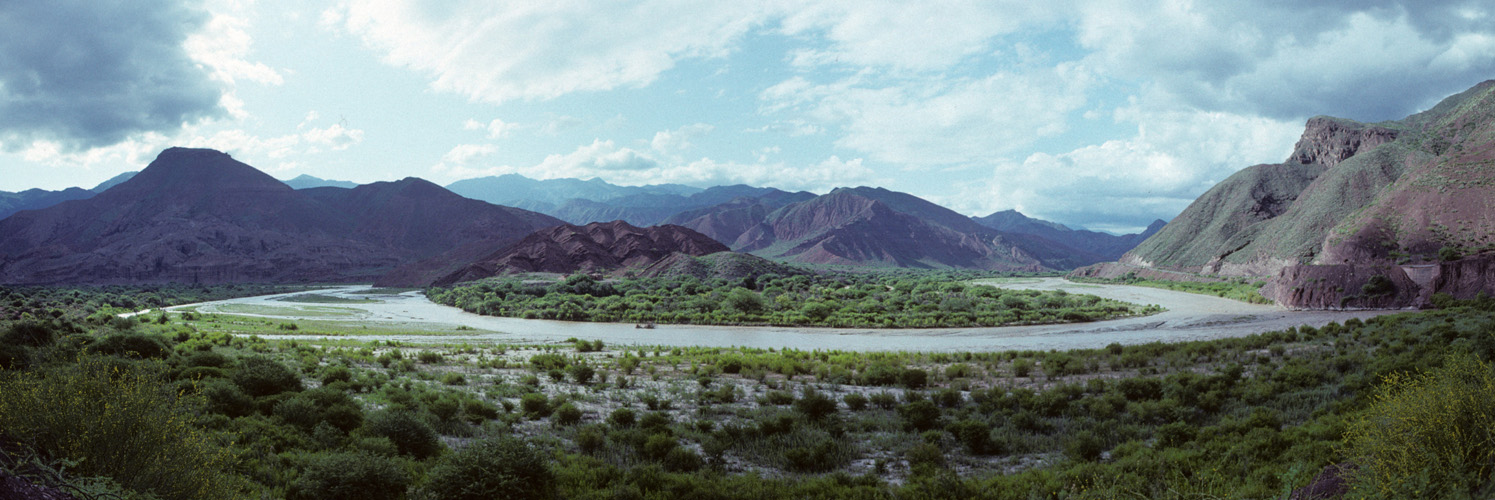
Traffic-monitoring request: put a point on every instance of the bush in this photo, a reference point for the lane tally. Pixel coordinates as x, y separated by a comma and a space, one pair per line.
535, 405
118, 421
453, 378
260, 376
814, 405
581, 374
913, 378
920, 415
855, 401
1084, 446
567, 414
591, 438
30, 333
410, 435
1437, 427
350, 476
502, 467
133, 345
621, 418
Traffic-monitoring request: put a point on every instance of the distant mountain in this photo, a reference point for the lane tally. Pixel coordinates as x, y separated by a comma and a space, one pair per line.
32, 199
113, 181
1108, 246
874, 227
596, 247
304, 181
1360, 214
652, 209
198, 216
546, 195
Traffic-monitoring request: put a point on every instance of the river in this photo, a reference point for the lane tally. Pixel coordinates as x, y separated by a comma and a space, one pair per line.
1188, 317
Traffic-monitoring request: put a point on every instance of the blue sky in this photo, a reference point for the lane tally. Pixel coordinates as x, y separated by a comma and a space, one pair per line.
1100, 114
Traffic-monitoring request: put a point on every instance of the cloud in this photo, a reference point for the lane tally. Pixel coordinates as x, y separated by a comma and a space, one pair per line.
1369, 61
678, 140
84, 73
501, 51
1125, 183
902, 35
936, 120
223, 46
628, 166
497, 129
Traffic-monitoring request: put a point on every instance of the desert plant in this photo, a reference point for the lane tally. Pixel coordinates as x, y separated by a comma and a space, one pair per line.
503, 467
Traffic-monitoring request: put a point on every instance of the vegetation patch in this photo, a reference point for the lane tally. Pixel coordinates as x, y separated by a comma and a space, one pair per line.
835, 300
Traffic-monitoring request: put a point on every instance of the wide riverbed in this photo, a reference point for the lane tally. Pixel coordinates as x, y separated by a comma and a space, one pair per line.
1189, 317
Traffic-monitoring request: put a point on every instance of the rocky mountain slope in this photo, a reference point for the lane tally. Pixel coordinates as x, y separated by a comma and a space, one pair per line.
1360, 215
596, 247
198, 216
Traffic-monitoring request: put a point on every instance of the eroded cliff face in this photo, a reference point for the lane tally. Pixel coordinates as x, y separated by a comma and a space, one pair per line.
1327, 141
1343, 286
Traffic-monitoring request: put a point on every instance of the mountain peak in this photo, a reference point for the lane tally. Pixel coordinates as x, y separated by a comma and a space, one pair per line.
190, 173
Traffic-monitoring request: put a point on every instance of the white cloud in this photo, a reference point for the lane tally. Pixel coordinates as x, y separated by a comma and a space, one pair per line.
906, 35
938, 121
497, 129
1124, 183
678, 140
223, 45
501, 51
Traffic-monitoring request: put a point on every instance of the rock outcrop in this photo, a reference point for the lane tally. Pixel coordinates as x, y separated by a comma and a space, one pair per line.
1352, 202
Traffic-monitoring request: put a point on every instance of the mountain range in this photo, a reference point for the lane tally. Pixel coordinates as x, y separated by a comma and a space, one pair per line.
198, 216
1359, 215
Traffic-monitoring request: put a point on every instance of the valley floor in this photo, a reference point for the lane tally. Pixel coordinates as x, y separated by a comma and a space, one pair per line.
395, 314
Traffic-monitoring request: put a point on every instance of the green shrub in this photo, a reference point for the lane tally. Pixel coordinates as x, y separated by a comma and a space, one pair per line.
814, 405
502, 467
133, 345
581, 374
855, 401
535, 405
1437, 427
913, 378
919, 415
350, 476
410, 435
453, 378
430, 357
567, 414
260, 376
591, 438
118, 421
621, 418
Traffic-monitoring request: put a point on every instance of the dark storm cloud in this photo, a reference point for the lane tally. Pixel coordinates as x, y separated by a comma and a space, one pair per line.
89, 73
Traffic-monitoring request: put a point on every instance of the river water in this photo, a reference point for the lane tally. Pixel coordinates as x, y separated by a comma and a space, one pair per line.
1189, 317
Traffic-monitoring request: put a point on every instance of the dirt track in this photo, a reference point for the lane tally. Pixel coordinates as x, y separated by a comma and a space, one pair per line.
1189, 317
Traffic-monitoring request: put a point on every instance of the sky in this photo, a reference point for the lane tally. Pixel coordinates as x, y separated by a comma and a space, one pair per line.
1101, 114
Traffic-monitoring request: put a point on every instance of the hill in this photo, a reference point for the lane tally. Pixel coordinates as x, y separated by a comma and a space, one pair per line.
596, 247
1359, 215
198, 216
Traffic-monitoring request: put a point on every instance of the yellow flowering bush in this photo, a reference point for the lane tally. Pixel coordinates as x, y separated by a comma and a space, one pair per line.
1428, 433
